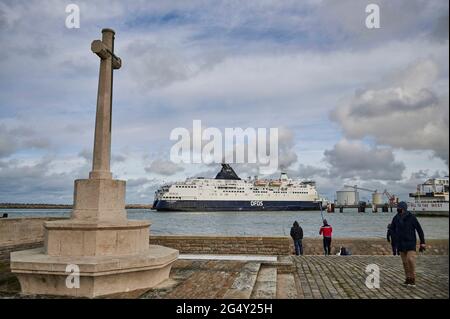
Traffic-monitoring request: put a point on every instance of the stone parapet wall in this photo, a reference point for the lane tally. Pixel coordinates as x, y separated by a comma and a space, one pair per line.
248, 245
5, 250
16, 231
20, 234
283, 245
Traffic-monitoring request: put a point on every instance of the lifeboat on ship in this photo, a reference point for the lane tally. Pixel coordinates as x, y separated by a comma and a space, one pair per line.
275, 183
260, 182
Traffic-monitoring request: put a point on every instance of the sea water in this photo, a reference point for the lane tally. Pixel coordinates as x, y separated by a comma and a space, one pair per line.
347, 224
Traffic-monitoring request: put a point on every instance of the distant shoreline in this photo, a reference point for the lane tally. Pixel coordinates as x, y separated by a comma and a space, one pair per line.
60, 206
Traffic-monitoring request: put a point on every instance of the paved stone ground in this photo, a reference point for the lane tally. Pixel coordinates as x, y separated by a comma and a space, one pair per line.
336, 277
198, 279
340, 277
344, 277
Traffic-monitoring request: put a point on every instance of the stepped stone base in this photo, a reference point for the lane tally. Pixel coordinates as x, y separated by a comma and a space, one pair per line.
98, 247
40, 273
85, 238
99, 200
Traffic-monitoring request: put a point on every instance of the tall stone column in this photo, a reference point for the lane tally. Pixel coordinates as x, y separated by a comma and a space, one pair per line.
100, 198
102, 142
111, 252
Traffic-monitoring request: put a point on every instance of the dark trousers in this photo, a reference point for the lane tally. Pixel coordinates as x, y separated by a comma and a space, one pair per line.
327, 245
298, 247
395, 251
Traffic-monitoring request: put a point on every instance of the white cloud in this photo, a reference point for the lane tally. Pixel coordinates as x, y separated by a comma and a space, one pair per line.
356, 160
311, 171
20, 138
286, 152
163, 167
34, 182
7, 146
406, 111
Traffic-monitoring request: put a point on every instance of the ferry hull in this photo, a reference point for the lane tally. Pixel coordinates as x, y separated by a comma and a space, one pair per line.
425, 213
219, 205
429, 209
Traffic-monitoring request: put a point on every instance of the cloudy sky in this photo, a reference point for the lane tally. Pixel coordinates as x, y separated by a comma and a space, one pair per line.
353, 105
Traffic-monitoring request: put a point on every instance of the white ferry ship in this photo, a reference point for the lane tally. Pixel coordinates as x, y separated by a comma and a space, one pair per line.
431, 198
227, 192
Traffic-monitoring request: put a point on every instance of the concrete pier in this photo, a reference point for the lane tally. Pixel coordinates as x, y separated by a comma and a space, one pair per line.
385, 208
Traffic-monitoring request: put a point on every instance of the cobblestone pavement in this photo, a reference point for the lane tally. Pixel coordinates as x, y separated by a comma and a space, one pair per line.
335, 277
345, 277
293, 277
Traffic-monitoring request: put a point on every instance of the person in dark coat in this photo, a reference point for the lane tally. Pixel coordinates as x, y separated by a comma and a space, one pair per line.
391, 238
297, 236
405, 225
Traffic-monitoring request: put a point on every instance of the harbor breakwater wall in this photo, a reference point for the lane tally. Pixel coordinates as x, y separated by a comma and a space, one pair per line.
283, 245
21, 233
225, 245
26, 233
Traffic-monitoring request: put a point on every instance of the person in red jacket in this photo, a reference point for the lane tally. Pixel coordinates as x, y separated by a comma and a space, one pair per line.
326, 231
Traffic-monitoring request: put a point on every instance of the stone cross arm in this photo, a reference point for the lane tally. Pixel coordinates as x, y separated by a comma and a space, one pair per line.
99, 48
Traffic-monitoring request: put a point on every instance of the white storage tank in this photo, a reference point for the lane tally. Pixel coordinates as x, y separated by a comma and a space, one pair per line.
377, 198
347, 197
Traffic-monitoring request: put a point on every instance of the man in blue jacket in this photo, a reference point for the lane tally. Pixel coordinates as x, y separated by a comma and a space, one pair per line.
404, 225
297, 236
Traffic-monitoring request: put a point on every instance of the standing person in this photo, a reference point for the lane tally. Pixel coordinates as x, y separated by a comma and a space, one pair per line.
391, 238
297, 236
404, 225
326, 230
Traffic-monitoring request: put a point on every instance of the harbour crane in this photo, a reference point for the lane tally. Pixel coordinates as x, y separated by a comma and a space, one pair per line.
361, 188
392, 198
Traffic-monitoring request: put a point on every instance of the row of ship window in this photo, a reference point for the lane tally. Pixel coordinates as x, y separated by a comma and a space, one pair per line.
263, 192
174, 197
233, 191
222, 187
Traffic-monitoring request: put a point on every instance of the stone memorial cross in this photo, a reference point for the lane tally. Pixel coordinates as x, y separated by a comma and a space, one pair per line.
112, 253
102, 143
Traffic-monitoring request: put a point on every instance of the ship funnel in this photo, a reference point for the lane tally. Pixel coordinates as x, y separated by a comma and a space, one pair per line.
284, 176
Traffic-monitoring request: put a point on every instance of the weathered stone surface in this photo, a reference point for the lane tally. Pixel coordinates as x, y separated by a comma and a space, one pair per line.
98, 275
102, 140
243, 285
99, 200
332, 277
266, 284
286, 287
81, 238
228, 245
17, 231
